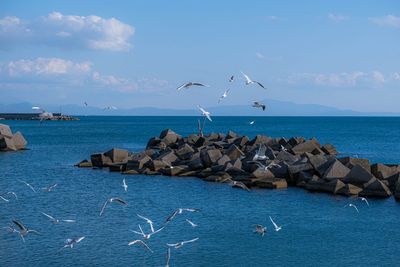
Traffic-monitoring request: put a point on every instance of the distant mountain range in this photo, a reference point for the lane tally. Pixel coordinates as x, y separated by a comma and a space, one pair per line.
274, 108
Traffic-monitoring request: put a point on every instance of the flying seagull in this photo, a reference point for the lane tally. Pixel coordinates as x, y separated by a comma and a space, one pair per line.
85, 103
140, 242
260, 155
191, 223
146, 236
111, 200
70, 242
223, 96
261, 230
252, 122
150, 222
27, 184
231, 78
204, 113
124, 185
180, 244
50, 187
189, 84
9, 193
277, 228
56, 221
180, 211
250, 81
352, 205
238, 184
365, 200
262, 166
257, 104
23, 231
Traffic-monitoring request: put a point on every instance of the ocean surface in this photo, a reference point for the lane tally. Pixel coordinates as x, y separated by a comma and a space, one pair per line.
317, 229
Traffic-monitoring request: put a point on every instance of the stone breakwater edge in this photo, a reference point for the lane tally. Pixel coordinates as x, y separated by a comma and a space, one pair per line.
261, 162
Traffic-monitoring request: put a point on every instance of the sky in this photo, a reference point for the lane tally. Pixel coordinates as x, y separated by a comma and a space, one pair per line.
343, 54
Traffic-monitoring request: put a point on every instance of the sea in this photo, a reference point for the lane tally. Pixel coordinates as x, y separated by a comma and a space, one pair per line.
317, 228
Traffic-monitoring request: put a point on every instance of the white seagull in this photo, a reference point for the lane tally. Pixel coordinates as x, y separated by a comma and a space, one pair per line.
27, 184
257, 104
189, 84
146, 236
50, 187
252, 122
111, 200
261, 230
70, 242
223, 96
260, 155
124, 185
204, 113
150, 222
191, 223
180, 211
238, 184
57, 221
354, 206
140, 242
23, 231
180, 244
277, 228
250, 81
365, 200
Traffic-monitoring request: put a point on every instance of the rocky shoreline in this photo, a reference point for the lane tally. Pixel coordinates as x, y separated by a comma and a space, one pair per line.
262, 162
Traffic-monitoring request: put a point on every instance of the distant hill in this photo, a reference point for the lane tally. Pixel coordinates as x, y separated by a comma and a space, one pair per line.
274, 108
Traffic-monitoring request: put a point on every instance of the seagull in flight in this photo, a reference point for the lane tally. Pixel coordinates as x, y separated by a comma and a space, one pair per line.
189, 84
146, 236
27, 184
140, 242
223, 96
191, 223
231, 78
56, 221
365, 200
8, 193
180, 244
238, 184
262, 166
85, 103
124, 185
277, 228
50, 188
180, 211
168, 257
250, 81
70, 242
204, 113
252, 122
150, 222
23, 231
260, 155
352, 205
111, 200
261, 230
257, 104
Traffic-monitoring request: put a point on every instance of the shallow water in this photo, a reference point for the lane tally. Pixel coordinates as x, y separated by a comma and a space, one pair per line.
317, 231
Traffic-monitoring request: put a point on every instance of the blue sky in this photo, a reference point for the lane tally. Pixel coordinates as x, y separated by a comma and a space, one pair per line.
343, 54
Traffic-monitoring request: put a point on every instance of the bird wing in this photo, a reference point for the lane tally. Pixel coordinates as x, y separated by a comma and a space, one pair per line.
191, 223
261, 151
170, 217
231, 79
49, 216
124, 183
207, 114
182, 86
199, 84
13, 193
144, 218
172, 245
119, 200
190, 241
260, 84
80, 239
136, 232
191, 209
157, 230
201, 109
69, 221
248, 80
20, 225
104, 206
275, 225
6, 200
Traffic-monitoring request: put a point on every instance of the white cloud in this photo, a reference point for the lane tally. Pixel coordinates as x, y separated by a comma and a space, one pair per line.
344, 79
389, 21
56, 29
337, 17
259, 55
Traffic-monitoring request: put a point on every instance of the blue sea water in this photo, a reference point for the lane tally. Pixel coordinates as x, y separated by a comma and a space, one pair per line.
317, 231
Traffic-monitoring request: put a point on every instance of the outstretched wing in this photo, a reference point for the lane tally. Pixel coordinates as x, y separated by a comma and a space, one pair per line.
48, 216
182, 86
190, 241
104, 206
20, 225
119, 200
276, 226
260, 84
172, 216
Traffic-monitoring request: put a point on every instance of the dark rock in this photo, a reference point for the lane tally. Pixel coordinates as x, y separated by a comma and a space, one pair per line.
233, 152
273, 183
397, 190
138, 161
210, 157
321, 185
201, 141
231, 135
349, 190
196, 163
184, 152
157, 165
261, 173
286, 156
336, 170
232, 171
116, 167
168, 156
84, 164
155, 142
117, 155
259, 139
175, 170
169, 137
7, 144
375, 188
100, 160
358, 175
224, 159
241, 141
303, 178
308, 146
294, 141
329, 149
351, 162
382, 171
218, 177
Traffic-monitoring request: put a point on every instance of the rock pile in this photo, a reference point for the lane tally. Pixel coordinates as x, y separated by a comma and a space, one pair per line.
263, 162
10, 141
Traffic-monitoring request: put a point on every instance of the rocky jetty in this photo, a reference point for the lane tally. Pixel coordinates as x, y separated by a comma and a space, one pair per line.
10, 141
262, 162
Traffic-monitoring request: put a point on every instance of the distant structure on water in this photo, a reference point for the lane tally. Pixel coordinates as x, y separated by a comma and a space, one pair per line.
37, 116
